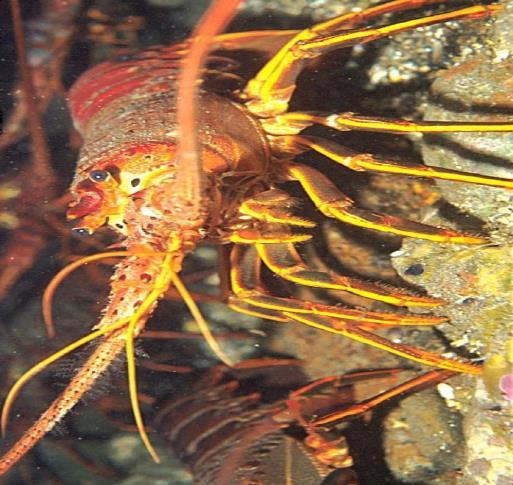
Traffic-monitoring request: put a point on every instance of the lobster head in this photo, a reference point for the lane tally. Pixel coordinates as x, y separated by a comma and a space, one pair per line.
105, 192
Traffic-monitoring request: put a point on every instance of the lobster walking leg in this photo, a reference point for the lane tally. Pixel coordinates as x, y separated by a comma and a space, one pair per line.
333, 203
334, 326
285, 261
367, 162
293, 123
270, 91
274, 206
351, 324
427, 379
247, 288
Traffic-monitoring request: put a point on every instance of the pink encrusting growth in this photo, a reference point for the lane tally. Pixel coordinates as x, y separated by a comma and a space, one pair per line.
506, 386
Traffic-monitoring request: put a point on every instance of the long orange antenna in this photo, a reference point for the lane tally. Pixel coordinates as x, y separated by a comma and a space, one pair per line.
40, 366
64, 272
189, 176
200, 320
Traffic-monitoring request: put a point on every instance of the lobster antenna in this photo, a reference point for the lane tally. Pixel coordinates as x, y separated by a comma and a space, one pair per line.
58, 279
50, 290
165, 275
162, 280
40, 151
200, 320
189, 176
40, 366
131, 324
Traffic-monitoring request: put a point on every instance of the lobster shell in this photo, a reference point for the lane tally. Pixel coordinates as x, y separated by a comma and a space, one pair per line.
236, 432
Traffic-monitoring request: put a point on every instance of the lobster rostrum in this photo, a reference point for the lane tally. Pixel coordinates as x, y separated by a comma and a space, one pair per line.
130, 176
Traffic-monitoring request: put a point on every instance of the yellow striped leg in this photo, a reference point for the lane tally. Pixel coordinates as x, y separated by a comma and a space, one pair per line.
333, 203
353, 332
245, 273
245, 266
247, 309
269, 217
249, 295
274, 206
366, 162
265, 235
352, 19
284, 260
270, 90
295, 122
365, 318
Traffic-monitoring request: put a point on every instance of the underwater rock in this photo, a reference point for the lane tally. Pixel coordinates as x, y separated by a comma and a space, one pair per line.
476, 282
419, 456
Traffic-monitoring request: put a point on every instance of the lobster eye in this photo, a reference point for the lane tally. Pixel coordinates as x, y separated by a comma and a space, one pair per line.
81, 231
99, 175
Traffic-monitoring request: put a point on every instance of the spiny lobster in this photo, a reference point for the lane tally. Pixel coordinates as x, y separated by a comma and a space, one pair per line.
239, 425
132, 176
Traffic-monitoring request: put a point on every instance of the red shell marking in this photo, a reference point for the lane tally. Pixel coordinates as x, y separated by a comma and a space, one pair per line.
110, 80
